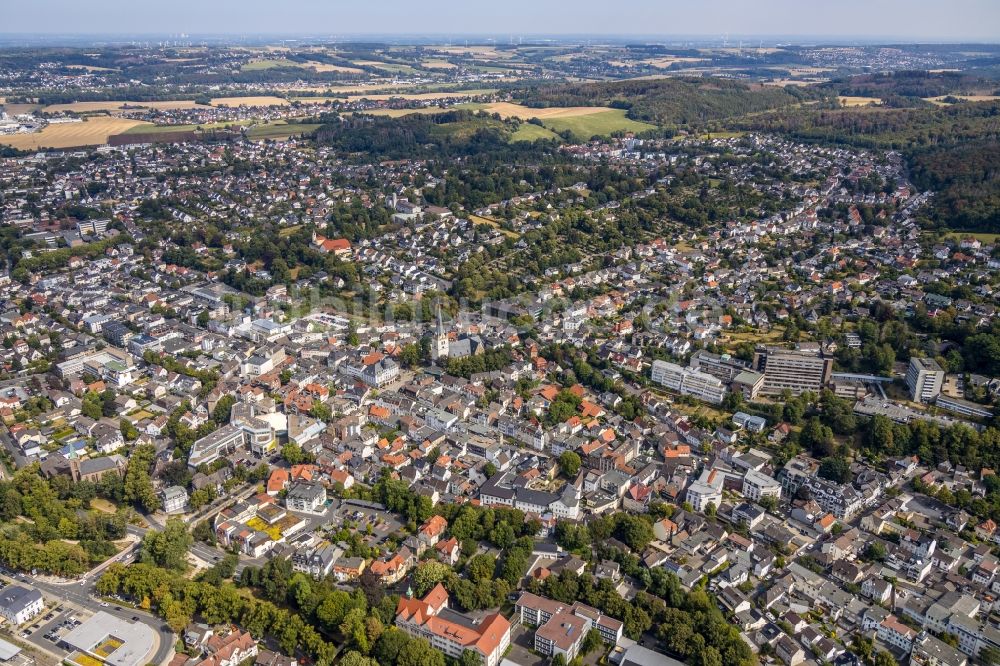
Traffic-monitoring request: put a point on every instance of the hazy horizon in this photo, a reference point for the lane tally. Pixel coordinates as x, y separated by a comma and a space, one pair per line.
806, 20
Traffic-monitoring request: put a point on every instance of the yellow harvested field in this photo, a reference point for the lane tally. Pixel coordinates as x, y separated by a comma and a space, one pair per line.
326, 67
420, 96
847, 100
490, 51
509, 110
93, 107
90, 132
173, 105
663, 63
91, 68
265, 100
967, 98
438, 64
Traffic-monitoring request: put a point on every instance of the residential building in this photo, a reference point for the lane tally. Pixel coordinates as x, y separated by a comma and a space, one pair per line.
924, 378
688, 382
19, 604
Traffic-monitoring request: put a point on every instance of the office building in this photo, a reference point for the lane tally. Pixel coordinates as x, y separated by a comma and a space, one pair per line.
451, 632
924, 378
797, 370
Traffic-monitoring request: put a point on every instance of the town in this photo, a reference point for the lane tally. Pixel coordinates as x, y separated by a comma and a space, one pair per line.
431, 378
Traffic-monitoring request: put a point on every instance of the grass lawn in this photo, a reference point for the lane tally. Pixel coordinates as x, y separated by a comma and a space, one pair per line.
280, 130
602, 124
981, 237
288, 231
530, 132
103, 505
479, 219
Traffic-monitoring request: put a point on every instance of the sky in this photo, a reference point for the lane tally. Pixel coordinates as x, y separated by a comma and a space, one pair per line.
925, 20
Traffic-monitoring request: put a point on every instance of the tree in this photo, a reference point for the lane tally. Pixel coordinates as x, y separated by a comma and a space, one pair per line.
989, 655
883, 658
417, 652
167, 548
427, 575
355, 658
591, 641
129, 431
292, 453
835, 469
875, 551
220, 414
469, 658
569, 463
138, 488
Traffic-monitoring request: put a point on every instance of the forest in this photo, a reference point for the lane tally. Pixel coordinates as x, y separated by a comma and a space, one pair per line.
456, 133
672, 101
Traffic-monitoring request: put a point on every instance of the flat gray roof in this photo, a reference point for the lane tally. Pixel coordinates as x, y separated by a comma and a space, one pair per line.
138, 639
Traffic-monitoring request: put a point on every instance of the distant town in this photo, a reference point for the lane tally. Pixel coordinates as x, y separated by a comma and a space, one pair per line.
499, 355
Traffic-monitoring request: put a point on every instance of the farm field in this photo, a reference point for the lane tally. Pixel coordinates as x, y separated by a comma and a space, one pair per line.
396, 68
489, 221
280, 130
260, 65
422, 96
846, 100
147, 129
264, 100
90, 132
113, 105
510, 110
434, 63
967, 98
603, 123
399, 113
981, 237
529, 132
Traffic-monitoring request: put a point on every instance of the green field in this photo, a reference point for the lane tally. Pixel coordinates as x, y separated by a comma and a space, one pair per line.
280, 130
602, 124
395, 68
530, 132
981, 237
259, 65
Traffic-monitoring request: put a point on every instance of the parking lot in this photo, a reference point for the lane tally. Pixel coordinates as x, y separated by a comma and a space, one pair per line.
522, 640
381, 523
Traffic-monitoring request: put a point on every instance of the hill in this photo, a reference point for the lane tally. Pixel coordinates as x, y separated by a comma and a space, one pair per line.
950, 149
673, 101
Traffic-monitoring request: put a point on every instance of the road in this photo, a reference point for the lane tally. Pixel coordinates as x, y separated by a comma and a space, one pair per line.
81, 595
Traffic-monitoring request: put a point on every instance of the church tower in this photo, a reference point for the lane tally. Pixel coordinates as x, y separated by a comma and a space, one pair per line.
439, 348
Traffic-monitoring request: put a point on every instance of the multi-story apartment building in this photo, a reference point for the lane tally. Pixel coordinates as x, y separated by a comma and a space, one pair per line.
757, 485
797, 370
842, 500
706, 490
924, 378
689, 382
